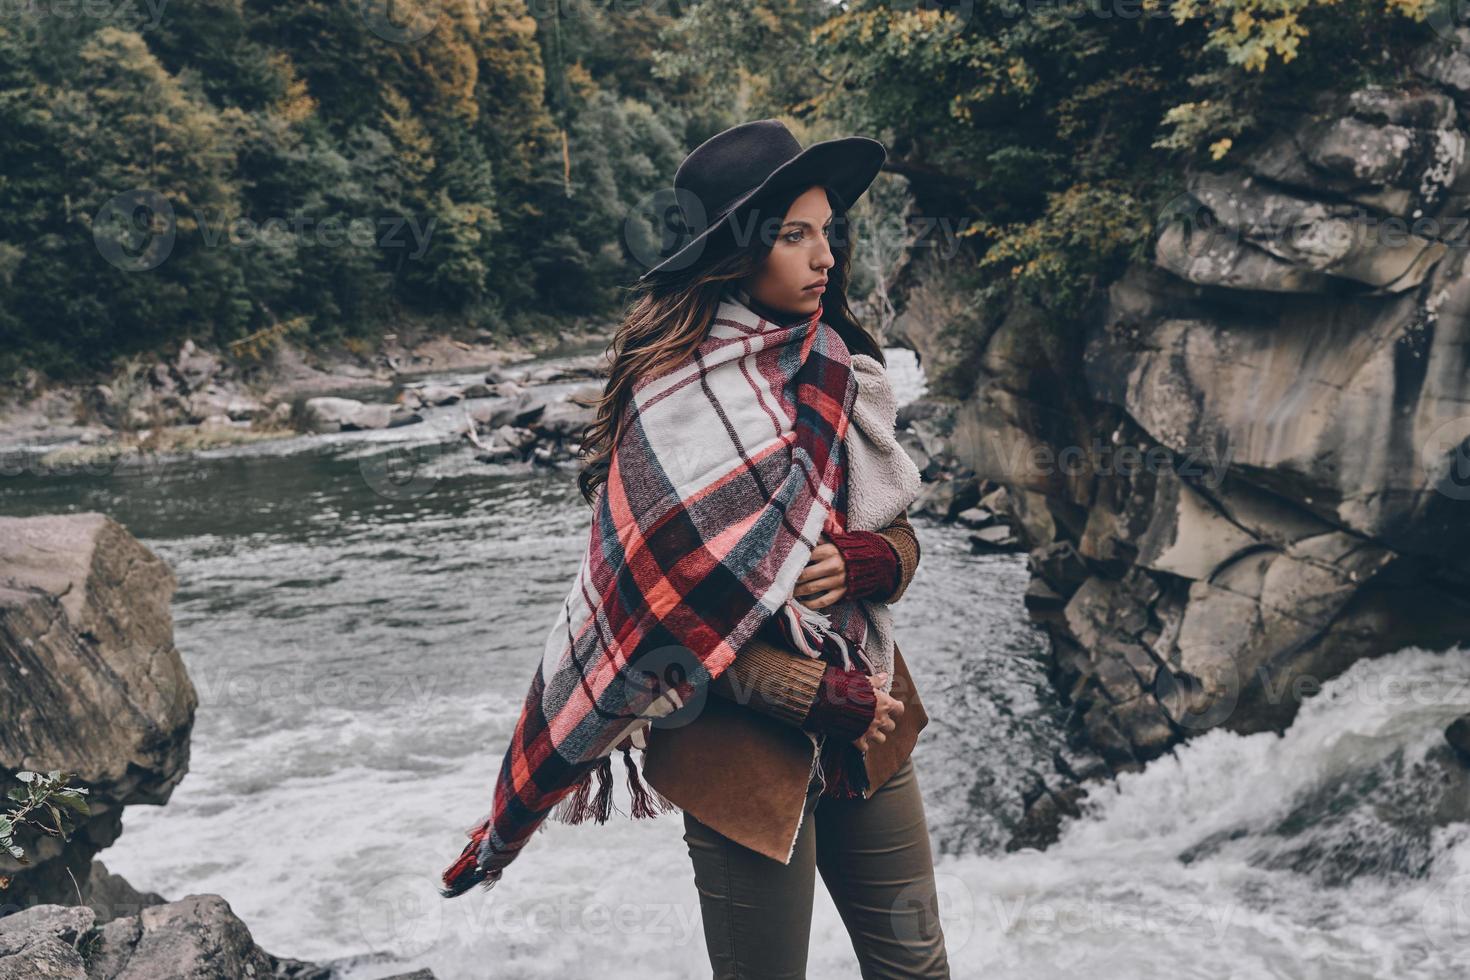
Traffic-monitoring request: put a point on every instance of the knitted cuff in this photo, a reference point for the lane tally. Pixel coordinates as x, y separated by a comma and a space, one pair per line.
872, 563
844, 706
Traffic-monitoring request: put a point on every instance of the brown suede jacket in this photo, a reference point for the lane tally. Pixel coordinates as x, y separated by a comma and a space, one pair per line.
742, 764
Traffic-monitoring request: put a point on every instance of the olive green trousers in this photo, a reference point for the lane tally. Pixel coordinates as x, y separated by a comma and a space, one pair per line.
875, 860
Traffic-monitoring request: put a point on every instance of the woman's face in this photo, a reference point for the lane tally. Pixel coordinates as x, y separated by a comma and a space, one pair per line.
799, 257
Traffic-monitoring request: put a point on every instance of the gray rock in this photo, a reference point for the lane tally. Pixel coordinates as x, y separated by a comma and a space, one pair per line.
198, 937
215, 400
112, 896
195, 367
1458, 735
42, 941
928, 468
437, 394
400, 418
562, 420
85, 623
194, 938
997, 538
975, 517
330, 414
516, 439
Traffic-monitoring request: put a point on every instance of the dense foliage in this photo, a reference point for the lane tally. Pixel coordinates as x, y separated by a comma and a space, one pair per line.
221, 168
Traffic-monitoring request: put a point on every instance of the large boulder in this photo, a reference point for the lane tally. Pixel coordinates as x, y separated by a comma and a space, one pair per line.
92, 682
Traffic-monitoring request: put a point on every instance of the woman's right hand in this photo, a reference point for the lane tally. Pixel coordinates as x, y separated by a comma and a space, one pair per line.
885, 716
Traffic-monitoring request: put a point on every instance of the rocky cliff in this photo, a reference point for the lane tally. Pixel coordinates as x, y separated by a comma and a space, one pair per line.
1251, 467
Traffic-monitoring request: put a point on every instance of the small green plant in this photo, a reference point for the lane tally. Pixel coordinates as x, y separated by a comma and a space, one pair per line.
43, 801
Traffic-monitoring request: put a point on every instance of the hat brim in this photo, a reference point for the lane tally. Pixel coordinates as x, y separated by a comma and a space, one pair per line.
848, 165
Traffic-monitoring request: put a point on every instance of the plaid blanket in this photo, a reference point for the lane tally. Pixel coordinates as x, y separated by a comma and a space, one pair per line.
730, 467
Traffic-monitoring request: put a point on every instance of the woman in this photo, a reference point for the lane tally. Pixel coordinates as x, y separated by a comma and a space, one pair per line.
727, 557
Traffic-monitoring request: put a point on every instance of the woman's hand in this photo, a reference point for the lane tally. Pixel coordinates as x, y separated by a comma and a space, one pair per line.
824, 579
885, 716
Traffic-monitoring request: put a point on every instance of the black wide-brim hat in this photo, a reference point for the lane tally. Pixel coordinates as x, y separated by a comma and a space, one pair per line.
733, 168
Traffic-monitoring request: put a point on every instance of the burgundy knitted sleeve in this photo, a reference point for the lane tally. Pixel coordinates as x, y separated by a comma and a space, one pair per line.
872, 563
844, 706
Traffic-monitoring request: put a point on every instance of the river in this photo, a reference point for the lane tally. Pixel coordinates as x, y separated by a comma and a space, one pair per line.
361, 614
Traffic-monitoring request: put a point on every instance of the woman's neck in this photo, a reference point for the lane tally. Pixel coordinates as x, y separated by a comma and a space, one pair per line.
781, 317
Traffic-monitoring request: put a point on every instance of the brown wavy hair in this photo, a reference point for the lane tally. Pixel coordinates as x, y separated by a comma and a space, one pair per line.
670, 313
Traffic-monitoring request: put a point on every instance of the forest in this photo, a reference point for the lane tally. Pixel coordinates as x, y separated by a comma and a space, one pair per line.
234, 171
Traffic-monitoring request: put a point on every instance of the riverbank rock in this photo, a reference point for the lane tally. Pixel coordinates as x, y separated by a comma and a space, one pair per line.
92, 682
198, 937
330, 414
532, 428
1247, 469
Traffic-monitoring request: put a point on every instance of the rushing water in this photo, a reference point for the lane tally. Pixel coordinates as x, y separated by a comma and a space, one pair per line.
361, 614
